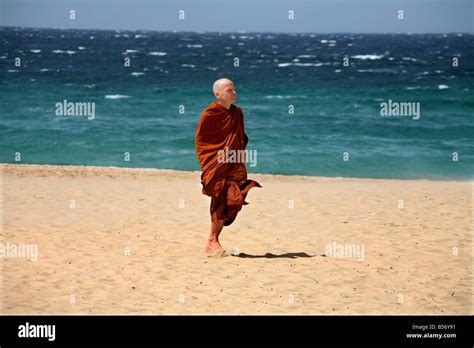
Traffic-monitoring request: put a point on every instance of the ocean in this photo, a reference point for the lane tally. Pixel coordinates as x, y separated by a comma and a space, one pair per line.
307, 109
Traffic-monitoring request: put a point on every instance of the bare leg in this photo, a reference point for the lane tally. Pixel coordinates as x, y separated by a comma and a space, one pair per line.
213, 244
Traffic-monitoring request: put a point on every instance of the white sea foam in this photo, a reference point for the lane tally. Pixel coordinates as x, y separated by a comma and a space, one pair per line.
44, 69
285, 96
306, 56
158, 54
35, 51
137, 73
62, 52
283, 65
381, 70
194, 46
443, 87
368, 56
130, 51
80, 48
188, 65
116, 96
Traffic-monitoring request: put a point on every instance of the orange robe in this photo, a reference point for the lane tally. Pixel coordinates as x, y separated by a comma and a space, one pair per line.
226, 183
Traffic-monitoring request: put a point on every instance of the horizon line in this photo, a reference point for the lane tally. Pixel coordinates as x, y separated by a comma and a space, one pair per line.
241, 31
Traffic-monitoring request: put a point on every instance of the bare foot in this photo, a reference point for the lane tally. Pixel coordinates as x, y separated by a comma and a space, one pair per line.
213, 248
216, 253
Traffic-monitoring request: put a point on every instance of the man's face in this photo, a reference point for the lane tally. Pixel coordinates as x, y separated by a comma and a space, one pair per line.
227, 95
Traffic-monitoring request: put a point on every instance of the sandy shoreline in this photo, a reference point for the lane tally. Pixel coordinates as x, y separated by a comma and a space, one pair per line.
120, 240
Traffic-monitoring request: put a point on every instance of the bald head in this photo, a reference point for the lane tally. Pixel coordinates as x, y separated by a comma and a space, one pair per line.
224, 91
220, 84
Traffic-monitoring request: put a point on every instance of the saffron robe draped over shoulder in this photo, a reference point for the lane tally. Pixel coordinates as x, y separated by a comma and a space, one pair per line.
221, 130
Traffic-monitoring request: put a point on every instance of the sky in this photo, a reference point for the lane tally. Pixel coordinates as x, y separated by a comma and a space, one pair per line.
314, 16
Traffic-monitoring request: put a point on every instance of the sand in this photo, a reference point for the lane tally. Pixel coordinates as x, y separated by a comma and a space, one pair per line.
130, 241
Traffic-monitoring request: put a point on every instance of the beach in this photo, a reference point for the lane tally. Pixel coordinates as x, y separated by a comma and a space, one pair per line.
130, 241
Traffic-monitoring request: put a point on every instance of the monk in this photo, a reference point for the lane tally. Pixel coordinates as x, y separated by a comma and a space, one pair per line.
221, 128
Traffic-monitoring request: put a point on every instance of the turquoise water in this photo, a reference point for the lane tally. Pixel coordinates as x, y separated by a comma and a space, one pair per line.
336, 108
